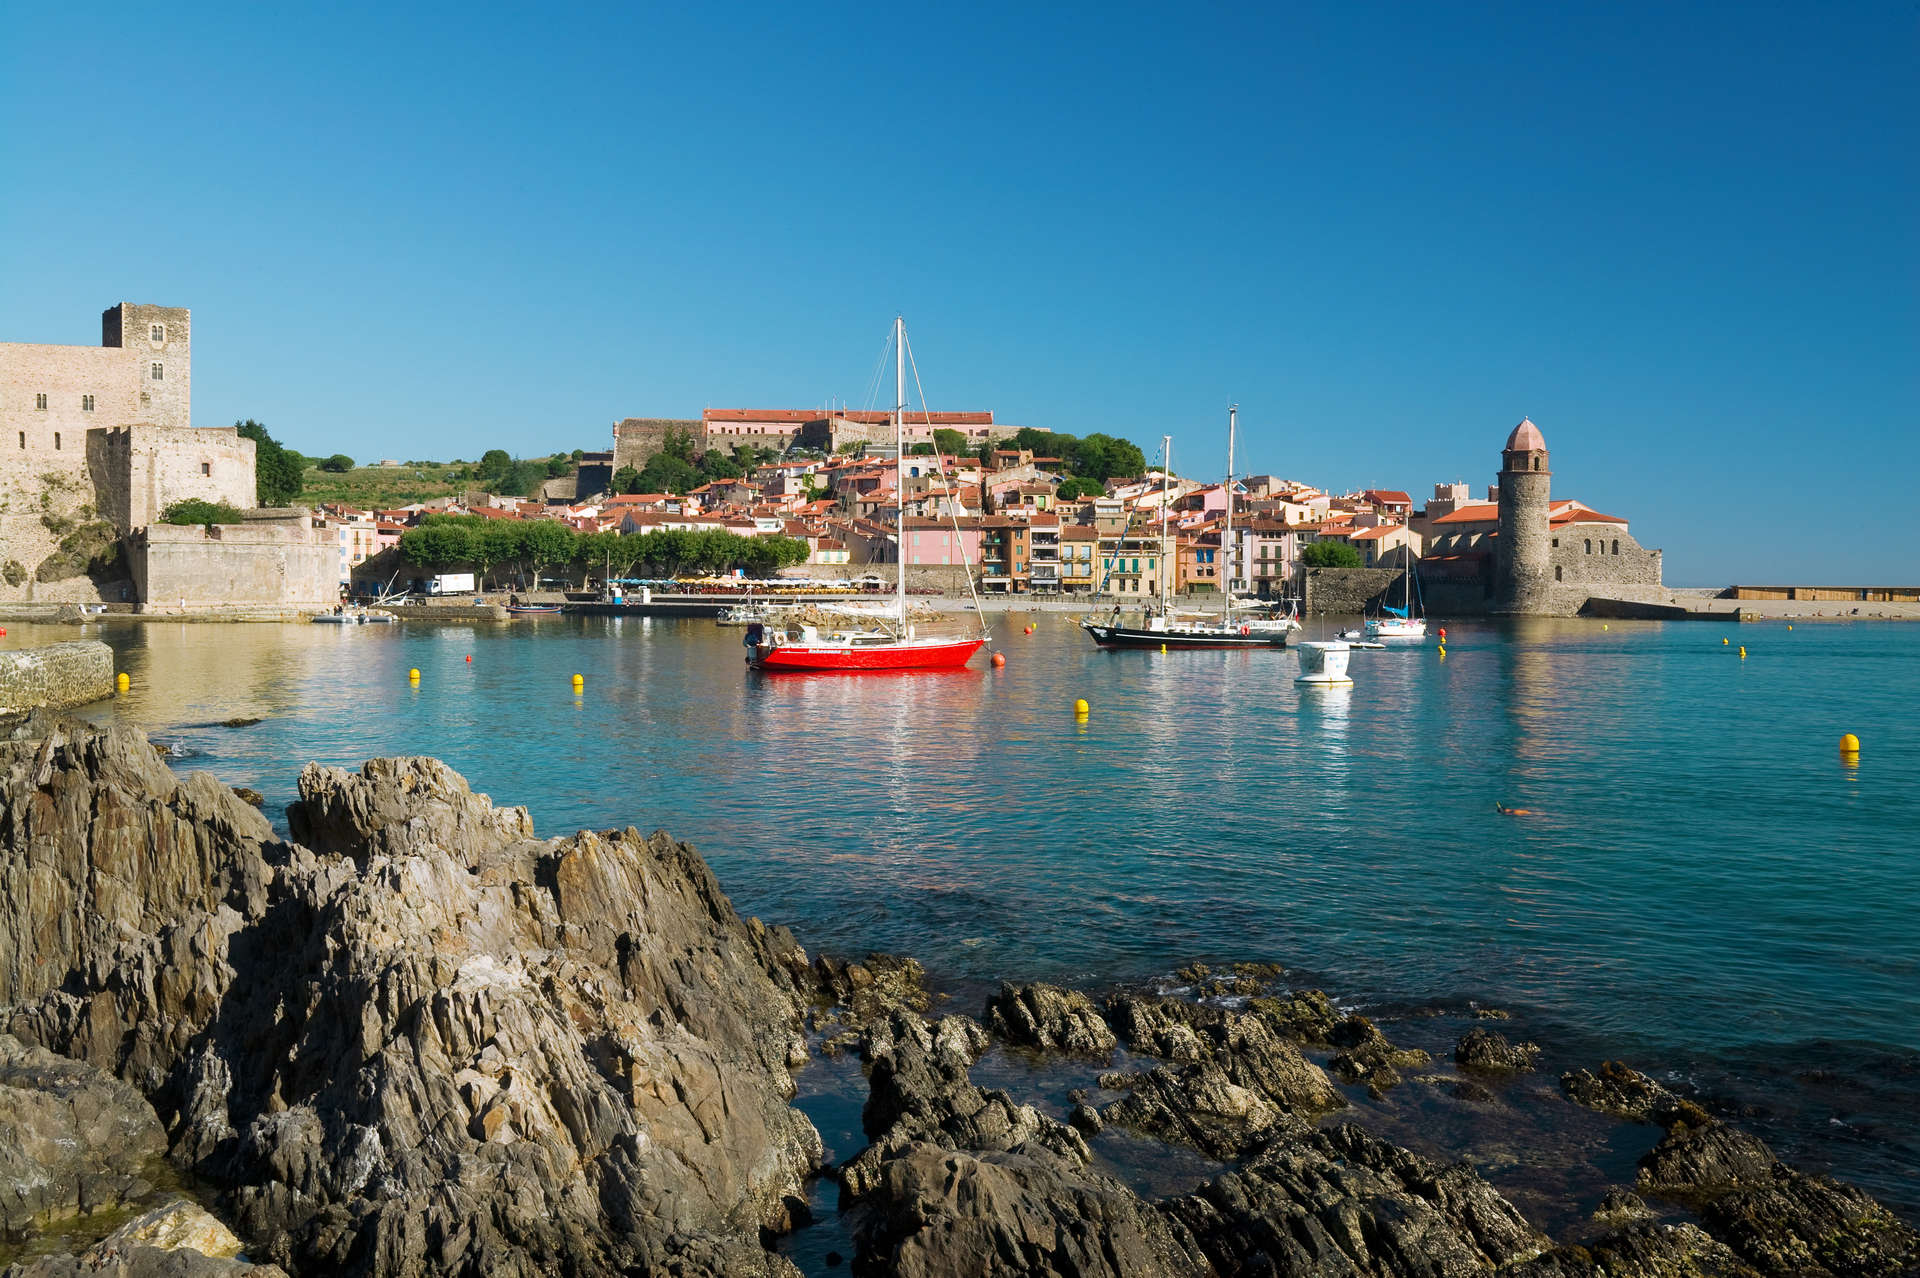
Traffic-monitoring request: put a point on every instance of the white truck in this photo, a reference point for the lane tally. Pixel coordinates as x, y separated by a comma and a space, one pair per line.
450, 583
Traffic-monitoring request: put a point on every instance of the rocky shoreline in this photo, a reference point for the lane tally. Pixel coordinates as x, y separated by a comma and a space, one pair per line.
414, 1038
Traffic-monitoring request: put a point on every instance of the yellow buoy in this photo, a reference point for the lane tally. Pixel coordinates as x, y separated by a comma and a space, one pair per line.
1443, 650
413, 675
1743, 652
1081, 706
579, 682
1163, 647
1849, 744
1789, 627
1723, 641
121, 682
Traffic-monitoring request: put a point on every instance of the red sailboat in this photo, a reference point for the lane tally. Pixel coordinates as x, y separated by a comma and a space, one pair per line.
888, 643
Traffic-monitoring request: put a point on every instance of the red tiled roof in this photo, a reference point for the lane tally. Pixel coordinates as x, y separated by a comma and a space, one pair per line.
1480, 513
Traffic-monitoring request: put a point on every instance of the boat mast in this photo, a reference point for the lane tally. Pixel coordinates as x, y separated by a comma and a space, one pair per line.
1166, 481
899, 458
1226, 535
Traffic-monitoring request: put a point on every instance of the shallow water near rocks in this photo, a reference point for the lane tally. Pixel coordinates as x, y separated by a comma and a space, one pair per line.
1702, 887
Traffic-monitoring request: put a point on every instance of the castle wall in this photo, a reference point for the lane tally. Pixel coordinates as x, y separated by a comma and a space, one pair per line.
277, 560
1600, 558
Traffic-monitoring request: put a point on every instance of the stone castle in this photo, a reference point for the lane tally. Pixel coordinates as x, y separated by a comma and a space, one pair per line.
96, 442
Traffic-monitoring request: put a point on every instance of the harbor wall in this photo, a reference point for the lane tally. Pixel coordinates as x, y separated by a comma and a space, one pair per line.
1342, 591
56, 676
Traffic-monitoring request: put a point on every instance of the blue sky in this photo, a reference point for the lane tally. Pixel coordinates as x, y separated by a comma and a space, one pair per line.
1681, 238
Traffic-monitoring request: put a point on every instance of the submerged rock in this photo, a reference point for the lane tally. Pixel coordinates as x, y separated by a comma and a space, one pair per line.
1049, 1018
1621, 1091
1483, 1049
1366, 1055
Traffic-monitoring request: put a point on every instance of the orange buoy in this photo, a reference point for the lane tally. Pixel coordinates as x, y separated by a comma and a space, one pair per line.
999, 659
469, 658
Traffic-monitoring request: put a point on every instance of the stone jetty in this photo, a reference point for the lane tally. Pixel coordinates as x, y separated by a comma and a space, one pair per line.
416, 1038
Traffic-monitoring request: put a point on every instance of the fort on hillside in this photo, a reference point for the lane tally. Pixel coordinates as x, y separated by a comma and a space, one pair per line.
96, 442
637, 439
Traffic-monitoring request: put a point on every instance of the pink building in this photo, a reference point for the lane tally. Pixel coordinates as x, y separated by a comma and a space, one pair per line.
932, 541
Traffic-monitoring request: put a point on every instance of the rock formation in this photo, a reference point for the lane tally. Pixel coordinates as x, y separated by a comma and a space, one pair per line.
420, 1039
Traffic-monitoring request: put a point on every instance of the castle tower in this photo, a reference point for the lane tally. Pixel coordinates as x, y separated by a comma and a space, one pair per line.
1522, 576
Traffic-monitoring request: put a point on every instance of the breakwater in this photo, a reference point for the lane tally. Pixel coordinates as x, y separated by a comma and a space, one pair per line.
57, 675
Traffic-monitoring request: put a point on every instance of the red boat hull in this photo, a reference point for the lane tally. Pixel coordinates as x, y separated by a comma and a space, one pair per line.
919, 655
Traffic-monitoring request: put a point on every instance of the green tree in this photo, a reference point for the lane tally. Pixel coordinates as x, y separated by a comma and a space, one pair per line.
667, 473
951, 443
678, 442
1072, 488
494, 463
543, 544
276, 471
626, 480
1103, 457
195, 511
338, 464
437, 545
559, 464
1329, 554
717, 465
920, 450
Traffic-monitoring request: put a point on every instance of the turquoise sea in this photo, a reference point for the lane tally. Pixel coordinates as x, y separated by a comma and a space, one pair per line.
1701, 885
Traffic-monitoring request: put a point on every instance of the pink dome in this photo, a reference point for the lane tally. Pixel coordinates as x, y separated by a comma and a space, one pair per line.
1526, 438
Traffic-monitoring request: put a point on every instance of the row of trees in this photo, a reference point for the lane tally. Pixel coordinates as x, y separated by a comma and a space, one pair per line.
533, 548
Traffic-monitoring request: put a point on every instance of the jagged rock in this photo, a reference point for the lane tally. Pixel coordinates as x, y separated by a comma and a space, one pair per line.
920, 1091
1366, 1055
430, 1043
1049, 1018
1306, 1015
1483, 1049
1621, 1091
1340, 1201
1708, 1156
1198, 1105
177, 1240
250, 796
72, 1138
1620, 1206
1641, 1249
1235, 1083
1780, 1220
868, 991
935, 1212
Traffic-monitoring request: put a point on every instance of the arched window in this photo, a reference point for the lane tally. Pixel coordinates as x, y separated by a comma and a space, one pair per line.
1589, 545
1536, 463
1616, 545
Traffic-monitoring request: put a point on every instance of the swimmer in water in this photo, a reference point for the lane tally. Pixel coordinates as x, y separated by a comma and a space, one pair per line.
1504, 810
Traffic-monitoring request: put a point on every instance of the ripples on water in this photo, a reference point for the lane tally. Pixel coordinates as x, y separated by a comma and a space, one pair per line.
1701, 882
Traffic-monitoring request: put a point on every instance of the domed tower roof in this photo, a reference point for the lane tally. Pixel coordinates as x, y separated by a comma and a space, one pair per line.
1526, 438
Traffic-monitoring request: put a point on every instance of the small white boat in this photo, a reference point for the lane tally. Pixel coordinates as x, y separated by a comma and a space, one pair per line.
1323, 662
1397, 628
